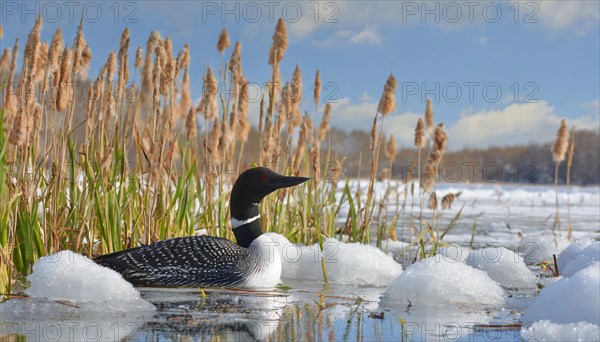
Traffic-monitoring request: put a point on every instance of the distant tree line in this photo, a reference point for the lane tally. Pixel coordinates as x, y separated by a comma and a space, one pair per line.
515, 164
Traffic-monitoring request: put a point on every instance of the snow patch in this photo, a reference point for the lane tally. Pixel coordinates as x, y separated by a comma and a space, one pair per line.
548, 331
504, 266
347, 263
572, 252
586, 257
569, 300
437, 281
75, 278
540, 248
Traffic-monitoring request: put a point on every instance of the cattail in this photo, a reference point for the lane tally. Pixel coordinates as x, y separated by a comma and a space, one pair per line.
429, 124
233, 119
18, 135
296, 89
147, 71
30, 61
55, 50
10, 100
138, 58
78, 48
277, 84
447, 201
64, 90
190, 124
32, 46
235, 63
36, 120
111, 67
186, 100
110, 105
215, 136
244, 122
302, 137
280, 42
315, 162
285, 104
434, 158
4, 60
85, 59
317, 88
156, 73
391, 149
387, 103
433, 201
210, 95
420, 137
562, 142
41, 62
227, 137
123, 59
325, 122
168, 75
223, 42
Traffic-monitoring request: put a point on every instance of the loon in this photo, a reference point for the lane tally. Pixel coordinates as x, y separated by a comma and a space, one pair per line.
206, 261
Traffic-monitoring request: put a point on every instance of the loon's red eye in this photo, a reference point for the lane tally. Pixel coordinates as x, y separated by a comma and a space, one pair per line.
262, 178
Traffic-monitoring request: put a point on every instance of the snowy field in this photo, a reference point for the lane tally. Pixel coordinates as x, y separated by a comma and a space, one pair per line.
504, 289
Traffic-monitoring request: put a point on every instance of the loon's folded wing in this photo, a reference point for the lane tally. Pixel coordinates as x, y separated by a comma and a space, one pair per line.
198, 261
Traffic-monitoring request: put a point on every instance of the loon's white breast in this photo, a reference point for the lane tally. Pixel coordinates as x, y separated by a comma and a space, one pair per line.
268, 263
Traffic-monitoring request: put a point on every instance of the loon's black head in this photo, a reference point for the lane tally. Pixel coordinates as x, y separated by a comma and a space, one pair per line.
252, 186
249, 189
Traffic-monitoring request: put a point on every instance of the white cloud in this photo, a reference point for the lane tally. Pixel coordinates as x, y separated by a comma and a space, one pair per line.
368, 35
593, 107
512, 125
578, 16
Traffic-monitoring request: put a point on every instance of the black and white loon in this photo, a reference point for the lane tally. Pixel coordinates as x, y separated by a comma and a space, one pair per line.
206, 261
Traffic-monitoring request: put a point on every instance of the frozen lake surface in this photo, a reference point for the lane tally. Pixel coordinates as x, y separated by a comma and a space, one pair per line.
460, 296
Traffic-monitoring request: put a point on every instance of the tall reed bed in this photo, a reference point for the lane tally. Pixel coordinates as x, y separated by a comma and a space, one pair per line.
100, 164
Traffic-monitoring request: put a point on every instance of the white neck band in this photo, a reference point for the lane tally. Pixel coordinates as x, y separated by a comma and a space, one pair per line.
237, 223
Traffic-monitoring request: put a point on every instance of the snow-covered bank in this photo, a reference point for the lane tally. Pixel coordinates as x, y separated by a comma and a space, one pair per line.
346, 263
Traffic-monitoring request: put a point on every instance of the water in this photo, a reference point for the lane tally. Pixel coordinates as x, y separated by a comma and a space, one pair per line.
312, 311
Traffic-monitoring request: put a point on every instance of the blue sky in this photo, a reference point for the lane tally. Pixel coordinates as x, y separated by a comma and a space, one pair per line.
499, 72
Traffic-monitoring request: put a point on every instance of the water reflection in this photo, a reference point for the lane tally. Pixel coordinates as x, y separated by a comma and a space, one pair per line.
306, 312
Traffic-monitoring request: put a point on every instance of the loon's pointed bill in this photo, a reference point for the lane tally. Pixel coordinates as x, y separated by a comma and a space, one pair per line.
205, 261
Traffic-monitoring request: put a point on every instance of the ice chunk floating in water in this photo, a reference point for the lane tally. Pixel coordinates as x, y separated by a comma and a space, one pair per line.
541, 248
548, 331
569, 300
437, 281
347, 263
504, 266
73, 277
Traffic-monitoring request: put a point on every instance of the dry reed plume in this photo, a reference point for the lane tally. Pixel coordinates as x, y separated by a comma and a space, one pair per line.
429, 123
436, 153
559, 151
